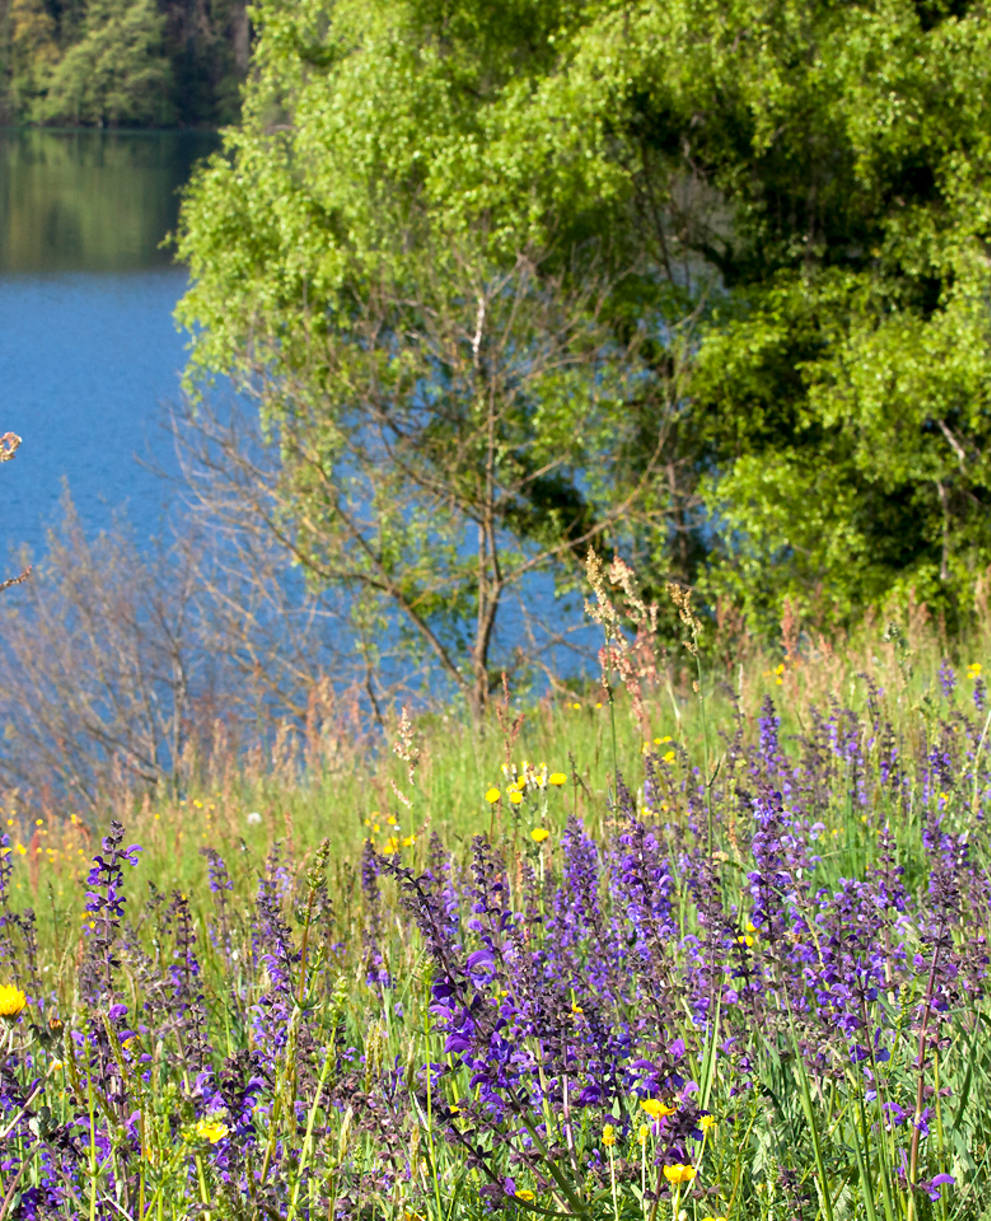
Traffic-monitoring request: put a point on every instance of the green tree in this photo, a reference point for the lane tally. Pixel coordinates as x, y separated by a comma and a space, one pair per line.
436, 285
30, 52
778, 208
115, 72
841, 385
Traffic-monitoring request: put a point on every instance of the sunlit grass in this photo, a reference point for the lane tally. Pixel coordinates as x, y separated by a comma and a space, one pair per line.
259, 1043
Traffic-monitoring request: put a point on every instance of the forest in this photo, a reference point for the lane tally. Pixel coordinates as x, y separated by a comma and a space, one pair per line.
147, 63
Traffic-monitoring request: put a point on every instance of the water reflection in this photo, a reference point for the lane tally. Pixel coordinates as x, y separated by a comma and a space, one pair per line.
91, 200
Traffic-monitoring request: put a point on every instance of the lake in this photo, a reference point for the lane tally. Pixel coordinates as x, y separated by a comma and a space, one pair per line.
89, 355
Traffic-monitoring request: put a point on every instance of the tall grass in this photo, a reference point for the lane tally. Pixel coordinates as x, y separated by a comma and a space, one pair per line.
655, 948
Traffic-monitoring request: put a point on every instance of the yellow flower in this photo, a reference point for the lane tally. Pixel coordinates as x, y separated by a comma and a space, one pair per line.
679, 1173
974, 670
749, 935
515, 797
492, 796
669, 756
557, 778
609, 1135
525, 1194
642, 1133
390, 846
656, 1109
211, 1130
12, 1000
539, 834
707, 1123
713, 1219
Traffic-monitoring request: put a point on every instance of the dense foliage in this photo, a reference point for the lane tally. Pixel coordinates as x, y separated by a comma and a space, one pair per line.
705, 281
109, 62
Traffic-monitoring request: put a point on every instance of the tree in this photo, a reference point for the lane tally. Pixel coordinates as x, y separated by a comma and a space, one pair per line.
466, 380
841, 382
207, 44
116, 72
777, 207
29, 53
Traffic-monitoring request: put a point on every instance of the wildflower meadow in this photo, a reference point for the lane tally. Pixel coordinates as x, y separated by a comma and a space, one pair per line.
722, 956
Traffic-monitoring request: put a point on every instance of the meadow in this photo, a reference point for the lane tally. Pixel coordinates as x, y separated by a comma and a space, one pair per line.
705, 940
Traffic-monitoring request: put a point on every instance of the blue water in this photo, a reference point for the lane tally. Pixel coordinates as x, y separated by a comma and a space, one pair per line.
89, 355
90, 359
88, 365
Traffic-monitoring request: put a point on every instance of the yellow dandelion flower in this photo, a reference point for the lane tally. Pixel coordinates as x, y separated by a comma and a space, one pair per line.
609, 1135
576, 707
539, 834
492, 796
679, 1173
707, 1123
390, 846
669, 756
515, 797
657, 1109
642, 1133
525, 1194
557, 778
974, 670
12, 1000
211, 1130
409, 841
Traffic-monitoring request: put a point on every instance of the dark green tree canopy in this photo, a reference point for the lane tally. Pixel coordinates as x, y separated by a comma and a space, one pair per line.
707, 282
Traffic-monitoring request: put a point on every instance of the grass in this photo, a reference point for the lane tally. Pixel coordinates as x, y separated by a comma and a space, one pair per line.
742, 975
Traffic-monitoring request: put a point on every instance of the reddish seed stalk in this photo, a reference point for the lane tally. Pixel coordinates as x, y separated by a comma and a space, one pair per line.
920, 1064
